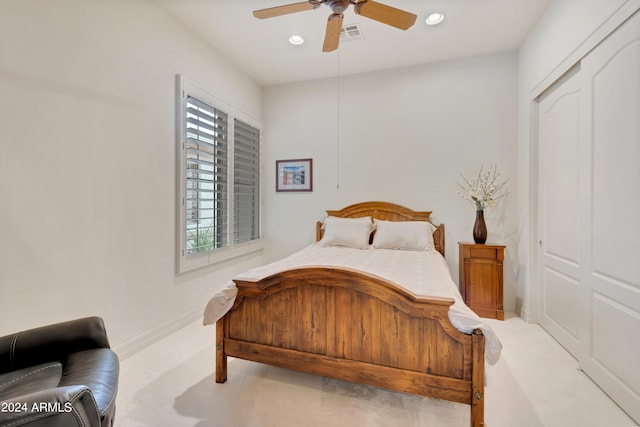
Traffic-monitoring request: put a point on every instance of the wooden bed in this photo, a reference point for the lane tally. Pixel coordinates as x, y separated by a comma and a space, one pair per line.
353, 326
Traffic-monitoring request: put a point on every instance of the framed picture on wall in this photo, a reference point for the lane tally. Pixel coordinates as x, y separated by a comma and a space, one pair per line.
294, 175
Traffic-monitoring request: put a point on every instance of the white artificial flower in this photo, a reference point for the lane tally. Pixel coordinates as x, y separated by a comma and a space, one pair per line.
483, 190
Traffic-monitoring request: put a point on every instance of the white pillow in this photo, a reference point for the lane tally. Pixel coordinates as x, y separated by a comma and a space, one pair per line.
350, 232
407, 235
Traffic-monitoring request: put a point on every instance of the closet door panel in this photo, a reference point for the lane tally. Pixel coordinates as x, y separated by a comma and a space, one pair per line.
559, 217
610, 328
558, 289
610, 315
616, 164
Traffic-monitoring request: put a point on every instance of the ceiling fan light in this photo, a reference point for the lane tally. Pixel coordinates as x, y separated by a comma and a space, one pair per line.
296, 39
434, 18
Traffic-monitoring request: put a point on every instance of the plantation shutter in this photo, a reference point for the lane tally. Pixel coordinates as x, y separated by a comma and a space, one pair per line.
206, 177
246, 182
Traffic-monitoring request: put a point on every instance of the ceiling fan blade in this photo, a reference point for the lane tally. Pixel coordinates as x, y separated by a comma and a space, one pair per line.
386, 14
332, 34
286, 9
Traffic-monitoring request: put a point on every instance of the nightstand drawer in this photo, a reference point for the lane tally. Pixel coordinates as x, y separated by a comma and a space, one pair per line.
489, 253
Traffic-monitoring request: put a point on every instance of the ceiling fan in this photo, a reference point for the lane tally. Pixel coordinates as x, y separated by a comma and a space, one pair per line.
367, 8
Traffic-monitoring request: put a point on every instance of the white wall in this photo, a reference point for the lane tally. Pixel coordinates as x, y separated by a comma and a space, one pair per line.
88, 161
401, 136
565, 33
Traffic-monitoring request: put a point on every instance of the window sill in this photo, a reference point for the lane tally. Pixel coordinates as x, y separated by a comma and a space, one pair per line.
196, 261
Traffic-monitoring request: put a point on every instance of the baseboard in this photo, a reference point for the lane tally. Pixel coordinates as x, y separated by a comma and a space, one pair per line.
144, 340
524, 315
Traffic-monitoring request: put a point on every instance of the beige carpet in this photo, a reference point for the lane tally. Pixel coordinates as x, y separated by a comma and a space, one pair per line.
535, 383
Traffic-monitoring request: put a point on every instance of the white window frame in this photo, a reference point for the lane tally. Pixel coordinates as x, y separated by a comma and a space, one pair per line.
187, 262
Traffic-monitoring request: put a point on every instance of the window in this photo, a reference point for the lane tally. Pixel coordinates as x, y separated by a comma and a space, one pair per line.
220, 177
246, 182
206, 143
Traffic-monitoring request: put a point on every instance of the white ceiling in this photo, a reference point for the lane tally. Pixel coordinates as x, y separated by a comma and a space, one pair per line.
261, 48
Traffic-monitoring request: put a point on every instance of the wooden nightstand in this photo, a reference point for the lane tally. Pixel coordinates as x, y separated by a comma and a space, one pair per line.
481, 278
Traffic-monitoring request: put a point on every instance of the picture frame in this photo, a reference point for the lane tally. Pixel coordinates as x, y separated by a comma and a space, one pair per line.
294, 175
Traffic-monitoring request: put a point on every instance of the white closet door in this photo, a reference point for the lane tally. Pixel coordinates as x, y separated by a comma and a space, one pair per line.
610, 341
589, 213
559, 212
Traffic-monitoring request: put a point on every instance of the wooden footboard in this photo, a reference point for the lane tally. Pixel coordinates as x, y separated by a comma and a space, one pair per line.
357, 327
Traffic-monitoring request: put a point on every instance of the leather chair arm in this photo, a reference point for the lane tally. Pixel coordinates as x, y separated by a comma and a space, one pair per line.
57, 407
51, 342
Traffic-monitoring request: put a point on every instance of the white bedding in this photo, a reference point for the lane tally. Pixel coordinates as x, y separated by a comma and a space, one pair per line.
424, 273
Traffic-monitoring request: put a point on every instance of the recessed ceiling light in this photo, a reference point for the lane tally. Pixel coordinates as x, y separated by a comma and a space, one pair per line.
296, 39
434, 18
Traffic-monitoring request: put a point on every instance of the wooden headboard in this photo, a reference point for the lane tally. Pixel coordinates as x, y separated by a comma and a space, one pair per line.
387, 212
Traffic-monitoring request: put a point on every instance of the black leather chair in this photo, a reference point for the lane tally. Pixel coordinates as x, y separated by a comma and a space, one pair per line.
60, 375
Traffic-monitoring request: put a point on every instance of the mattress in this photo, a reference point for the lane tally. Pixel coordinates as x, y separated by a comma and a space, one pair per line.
423, 273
